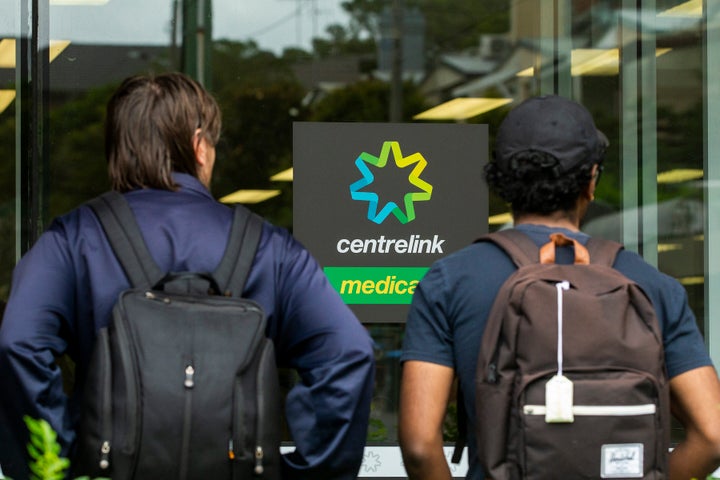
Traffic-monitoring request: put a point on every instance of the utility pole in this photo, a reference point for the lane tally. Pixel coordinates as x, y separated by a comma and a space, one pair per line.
197, 39
396, 83
32, 115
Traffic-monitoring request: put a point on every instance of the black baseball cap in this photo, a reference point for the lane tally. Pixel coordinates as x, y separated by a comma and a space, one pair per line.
552, 124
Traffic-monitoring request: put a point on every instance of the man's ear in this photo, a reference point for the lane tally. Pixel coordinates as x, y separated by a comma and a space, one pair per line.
200, 147
590, 190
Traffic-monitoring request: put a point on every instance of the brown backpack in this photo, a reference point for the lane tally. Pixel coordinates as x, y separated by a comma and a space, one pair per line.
571, 380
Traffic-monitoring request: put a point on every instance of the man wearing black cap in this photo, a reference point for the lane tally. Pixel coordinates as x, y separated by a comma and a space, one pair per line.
547, 162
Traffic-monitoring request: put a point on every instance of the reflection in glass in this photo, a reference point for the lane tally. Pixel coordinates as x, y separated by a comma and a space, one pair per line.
274, 62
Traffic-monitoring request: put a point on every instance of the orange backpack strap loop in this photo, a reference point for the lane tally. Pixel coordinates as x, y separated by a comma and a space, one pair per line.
547, 251
523, 251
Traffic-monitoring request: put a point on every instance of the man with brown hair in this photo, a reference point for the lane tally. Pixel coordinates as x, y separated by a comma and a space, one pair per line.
547, 162
160, 147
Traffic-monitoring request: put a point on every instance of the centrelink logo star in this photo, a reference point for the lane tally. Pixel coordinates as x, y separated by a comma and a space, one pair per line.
413, 178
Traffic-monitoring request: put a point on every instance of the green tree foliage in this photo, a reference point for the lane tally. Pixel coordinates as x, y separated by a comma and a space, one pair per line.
77, 167
7, 199
245, 64
364, 16
260, 99
342, 41
451, 25
365, 101
676, 152
294, 55
7, 155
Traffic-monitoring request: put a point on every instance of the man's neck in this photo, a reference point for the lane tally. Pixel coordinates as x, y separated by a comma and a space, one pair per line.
555, 220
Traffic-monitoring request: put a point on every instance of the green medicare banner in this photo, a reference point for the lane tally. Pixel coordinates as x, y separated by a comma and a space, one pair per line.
375, 285
377, 203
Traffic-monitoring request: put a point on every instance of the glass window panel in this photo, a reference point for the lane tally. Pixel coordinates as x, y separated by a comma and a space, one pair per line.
8, 134
646, 70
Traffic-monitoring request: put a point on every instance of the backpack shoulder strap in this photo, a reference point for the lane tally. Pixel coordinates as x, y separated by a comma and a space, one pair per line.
523, 251
234, 268
603, 252
462, 422
518, 246
123, 233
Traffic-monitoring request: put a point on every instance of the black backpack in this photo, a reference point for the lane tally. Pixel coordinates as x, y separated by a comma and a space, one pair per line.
183, 382
571, 379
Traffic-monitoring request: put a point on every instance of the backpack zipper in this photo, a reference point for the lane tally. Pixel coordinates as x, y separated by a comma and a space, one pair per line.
261, 414
492, 370
259, 469
128, 366
105, 455
189, 384
106, 406
599, 410
236, 445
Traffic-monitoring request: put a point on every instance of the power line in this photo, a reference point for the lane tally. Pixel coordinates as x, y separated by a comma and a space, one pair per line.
275, 24
314, 11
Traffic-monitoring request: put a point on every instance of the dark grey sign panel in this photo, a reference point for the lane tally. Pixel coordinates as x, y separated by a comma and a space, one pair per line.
378, 203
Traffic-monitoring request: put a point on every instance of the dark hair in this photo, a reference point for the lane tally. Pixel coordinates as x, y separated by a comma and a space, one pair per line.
535, 185
150, 126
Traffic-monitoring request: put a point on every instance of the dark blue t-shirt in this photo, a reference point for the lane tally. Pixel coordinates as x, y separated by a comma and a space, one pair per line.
452, 302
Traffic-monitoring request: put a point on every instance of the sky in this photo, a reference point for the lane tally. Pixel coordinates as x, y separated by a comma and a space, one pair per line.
273, 24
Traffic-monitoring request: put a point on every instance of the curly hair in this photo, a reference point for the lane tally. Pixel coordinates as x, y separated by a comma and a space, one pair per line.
534, 183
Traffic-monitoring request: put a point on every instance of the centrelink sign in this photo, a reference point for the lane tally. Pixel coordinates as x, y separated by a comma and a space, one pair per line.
378, 203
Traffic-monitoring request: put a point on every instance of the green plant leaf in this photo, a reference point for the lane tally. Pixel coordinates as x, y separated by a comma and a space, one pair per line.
44, 449
32, 424
38, 470
33, 451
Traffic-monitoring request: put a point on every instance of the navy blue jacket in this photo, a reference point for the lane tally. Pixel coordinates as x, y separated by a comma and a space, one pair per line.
64, 288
